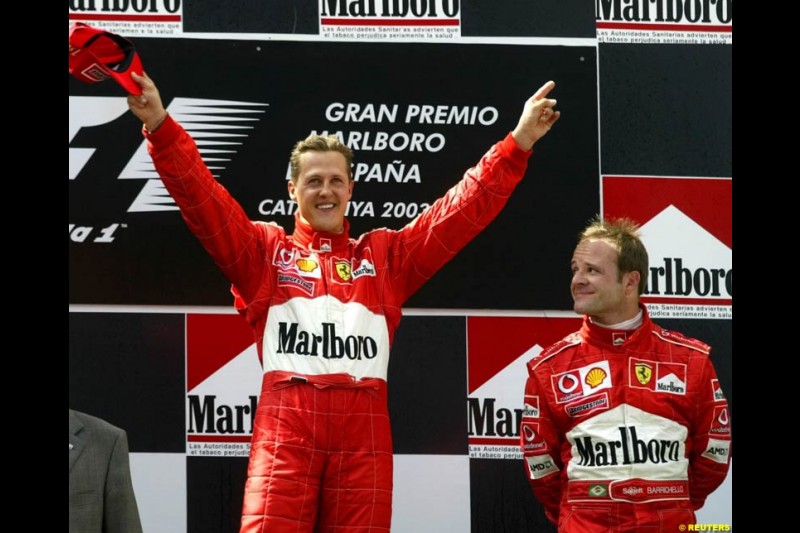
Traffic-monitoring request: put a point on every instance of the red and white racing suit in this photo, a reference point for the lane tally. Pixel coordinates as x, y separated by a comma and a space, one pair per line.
624, 430
324, 308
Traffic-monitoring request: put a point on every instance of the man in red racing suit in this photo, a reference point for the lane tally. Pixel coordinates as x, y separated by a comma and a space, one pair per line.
324, 308
625, 426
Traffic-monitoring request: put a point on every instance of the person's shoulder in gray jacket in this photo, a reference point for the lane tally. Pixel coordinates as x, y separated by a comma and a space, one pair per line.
101, 497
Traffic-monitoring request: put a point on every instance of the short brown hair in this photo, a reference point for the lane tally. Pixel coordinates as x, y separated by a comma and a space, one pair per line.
623, 235
319, 143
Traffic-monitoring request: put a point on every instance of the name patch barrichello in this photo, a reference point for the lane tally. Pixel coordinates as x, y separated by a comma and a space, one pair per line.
663, 377
640, 490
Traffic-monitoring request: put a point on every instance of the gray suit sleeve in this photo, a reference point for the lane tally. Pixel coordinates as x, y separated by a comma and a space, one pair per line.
121, 514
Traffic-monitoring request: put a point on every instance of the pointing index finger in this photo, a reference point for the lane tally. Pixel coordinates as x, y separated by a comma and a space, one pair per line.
544, 90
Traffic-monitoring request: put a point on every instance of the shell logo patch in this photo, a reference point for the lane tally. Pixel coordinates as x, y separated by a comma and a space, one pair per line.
595, 377
306, 265
581, 382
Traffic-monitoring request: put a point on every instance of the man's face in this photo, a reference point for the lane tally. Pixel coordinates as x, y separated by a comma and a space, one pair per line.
596, 288
322, 190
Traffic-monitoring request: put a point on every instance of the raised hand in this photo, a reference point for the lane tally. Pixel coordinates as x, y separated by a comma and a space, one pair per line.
538, 116
147, 106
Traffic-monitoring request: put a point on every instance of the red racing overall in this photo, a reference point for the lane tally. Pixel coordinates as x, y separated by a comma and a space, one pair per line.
624, 430
324, 308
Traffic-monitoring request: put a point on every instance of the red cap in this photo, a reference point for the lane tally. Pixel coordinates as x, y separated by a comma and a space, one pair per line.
96, 55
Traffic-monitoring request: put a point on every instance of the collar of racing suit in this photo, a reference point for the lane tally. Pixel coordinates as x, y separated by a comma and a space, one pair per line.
319, 241
616, 338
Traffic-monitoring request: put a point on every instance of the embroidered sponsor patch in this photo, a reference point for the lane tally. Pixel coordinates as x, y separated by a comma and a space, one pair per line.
531, 407
342, 269
532, 441
598, 491
294, 261
721, 425
718, 450
716, 390
284, 257
290, 280
588, 405
347, 270
364, 268
306, 265
663, 377
540, 466
581, 382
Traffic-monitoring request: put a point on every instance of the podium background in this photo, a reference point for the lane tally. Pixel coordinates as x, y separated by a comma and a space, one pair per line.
645, 132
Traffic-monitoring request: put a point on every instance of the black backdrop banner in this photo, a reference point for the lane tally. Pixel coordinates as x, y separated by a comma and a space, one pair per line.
417, 115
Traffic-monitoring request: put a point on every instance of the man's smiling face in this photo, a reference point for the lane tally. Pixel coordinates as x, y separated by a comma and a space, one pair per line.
322, 190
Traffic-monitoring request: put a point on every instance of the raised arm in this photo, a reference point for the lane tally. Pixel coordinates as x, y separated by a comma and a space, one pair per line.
428, 242
236, 244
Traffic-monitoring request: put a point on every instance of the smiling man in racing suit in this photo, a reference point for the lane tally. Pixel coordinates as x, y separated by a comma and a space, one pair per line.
324, 308
625, 426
